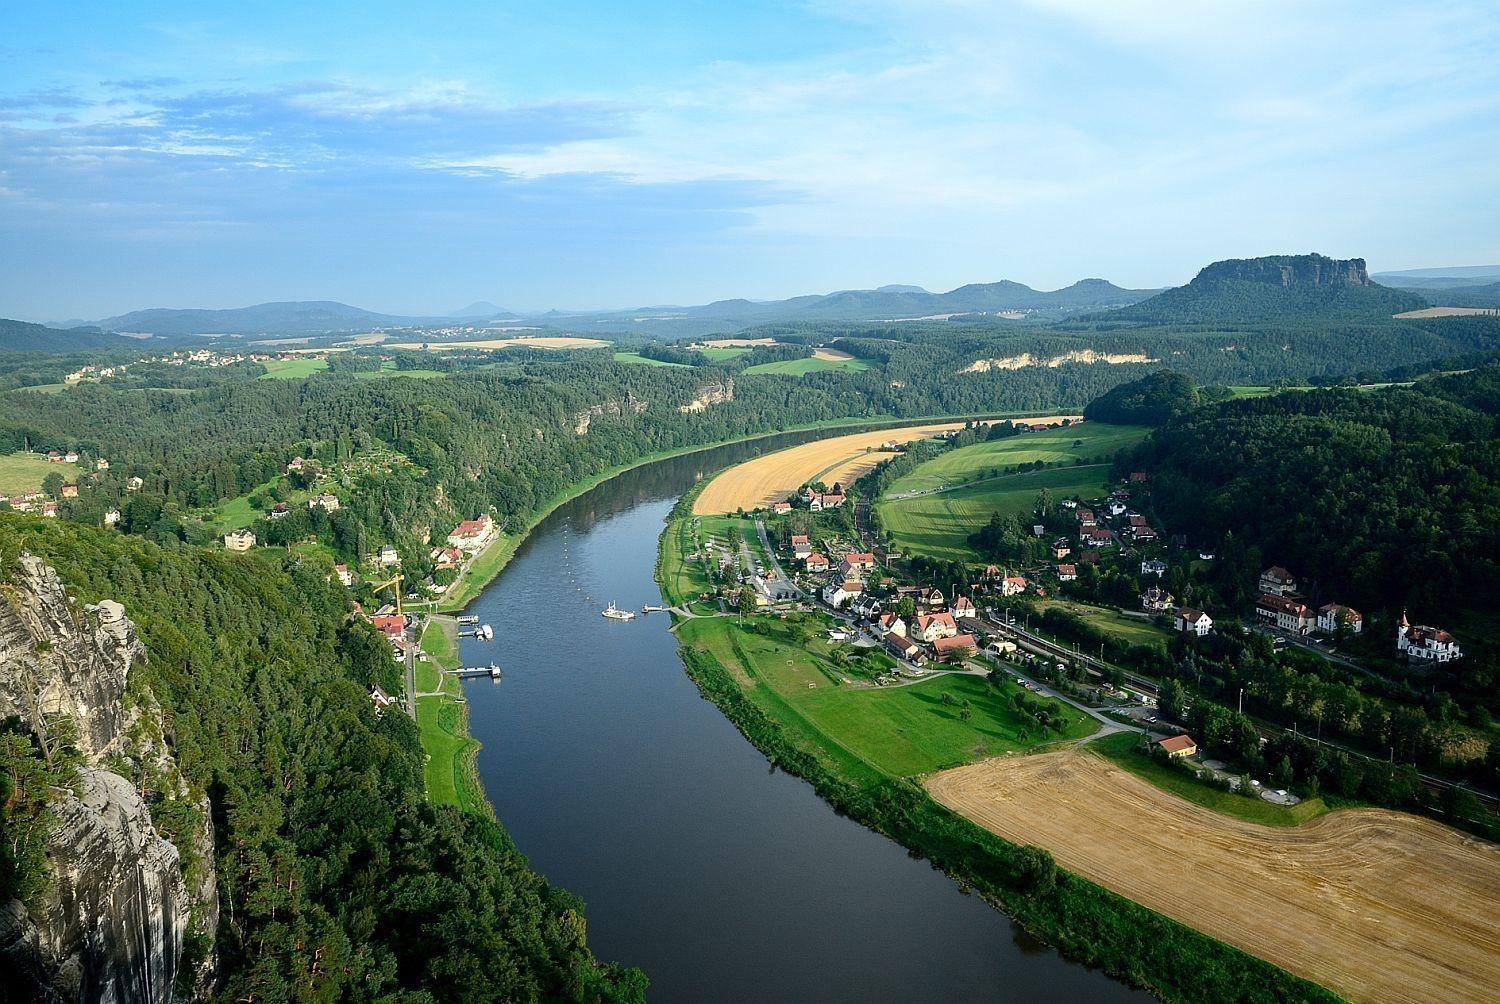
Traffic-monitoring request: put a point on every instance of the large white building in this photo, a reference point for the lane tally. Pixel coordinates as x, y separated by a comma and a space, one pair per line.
1426, 643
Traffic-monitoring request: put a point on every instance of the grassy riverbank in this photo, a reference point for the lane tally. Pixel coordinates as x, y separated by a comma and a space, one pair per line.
862, 749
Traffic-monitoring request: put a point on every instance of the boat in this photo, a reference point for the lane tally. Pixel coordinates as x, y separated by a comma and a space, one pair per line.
652, 608
614, 613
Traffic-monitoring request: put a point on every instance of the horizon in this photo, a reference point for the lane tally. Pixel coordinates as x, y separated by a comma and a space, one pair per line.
606, 159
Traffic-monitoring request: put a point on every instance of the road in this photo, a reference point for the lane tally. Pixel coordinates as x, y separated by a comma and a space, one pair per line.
781, 586
411, 677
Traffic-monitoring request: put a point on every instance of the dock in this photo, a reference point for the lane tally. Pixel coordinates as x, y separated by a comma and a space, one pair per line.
492, 671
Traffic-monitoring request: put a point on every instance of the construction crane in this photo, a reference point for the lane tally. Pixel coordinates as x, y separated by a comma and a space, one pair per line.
394, 585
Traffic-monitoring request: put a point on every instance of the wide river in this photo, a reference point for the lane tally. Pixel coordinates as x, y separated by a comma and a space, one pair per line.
720, 877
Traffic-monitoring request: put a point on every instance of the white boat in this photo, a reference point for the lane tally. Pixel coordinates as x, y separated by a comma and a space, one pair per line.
652, 608
614, 613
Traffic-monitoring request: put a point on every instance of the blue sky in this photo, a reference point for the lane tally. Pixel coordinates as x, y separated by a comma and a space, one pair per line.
413, 158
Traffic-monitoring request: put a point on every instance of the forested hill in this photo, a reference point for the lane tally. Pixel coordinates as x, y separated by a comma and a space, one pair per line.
337, 879
1384, 498
302, 317
23, 336
1291, 289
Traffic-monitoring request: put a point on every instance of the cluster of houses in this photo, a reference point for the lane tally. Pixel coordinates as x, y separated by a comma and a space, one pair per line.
1280, 604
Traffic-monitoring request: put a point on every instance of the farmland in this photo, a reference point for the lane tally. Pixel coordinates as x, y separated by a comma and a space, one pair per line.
23, 472
940, 525
640, 360
820, 361
523, 342
776, 475
293, 369
1376, 905
1089, 441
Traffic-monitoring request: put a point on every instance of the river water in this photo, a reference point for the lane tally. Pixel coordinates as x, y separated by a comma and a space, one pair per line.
721, 878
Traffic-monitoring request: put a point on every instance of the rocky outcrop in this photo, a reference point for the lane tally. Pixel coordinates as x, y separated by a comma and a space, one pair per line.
711, 394
632, 405
1291, 270
112, 923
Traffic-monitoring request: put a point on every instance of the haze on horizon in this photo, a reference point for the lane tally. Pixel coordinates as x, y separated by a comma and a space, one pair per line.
591, 157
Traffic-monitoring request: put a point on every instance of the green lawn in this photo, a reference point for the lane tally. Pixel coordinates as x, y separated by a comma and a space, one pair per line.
1242, 391
866, 734
1091, 441
635, 357
237, 513
802, 367
1122, 750
293, 369
442, 722
23, 472
681, 580
939, 525
1130, 630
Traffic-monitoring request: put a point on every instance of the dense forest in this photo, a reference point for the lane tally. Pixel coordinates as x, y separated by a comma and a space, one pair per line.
337, 878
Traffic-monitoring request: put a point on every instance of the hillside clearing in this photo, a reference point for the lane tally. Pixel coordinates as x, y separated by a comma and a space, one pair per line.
1376, 905
22, 472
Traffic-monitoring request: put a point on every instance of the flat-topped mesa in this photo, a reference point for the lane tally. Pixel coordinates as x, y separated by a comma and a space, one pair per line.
1290, 270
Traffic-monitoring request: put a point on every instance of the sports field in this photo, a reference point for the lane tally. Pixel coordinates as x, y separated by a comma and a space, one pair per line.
1373, 904
940, 525
773, 477
867, 734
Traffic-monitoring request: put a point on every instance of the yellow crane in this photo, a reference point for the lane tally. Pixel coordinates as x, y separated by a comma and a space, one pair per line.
394, 585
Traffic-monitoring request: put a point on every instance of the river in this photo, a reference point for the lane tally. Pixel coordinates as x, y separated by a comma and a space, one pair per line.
721, 878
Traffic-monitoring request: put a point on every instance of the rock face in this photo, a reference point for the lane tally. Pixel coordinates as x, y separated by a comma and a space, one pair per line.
112, 924
1291, 270
709, 394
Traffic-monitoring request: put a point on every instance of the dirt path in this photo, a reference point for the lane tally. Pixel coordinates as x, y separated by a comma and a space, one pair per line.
1375, 905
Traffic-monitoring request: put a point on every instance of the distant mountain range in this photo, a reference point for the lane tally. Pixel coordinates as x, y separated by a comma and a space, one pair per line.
23, 336
1461, 286
1279, 288
894, 302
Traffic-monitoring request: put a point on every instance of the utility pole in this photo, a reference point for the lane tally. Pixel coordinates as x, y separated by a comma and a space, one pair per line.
1242, 701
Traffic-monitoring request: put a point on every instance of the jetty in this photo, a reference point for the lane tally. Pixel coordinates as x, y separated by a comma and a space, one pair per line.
492, 671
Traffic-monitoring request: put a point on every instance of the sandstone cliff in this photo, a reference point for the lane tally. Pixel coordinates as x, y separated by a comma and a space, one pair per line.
112, 923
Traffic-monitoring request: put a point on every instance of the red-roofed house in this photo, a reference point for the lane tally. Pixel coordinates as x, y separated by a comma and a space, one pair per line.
931, 627
817, 563
472, 534
1177, 747
1193, 621
1426, 643
954, 649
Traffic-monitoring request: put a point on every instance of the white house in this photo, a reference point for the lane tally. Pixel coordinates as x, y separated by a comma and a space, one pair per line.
388, 556
327, 501
1156, 599
1426, 643
838, 592
1331, 615
962, 606
1012, 585
801, 546
866, 606
239, 540
472, 534
1067, 573
891, 623
931, 627
1153, 566
1277, 581
1193, 621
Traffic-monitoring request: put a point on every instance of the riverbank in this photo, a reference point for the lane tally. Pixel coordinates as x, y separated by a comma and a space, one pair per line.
442, 717
869, 765
492, 560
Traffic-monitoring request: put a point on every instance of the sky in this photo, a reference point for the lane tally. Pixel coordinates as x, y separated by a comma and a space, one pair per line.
415, 158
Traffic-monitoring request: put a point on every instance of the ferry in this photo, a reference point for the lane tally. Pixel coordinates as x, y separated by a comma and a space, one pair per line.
614, 613
652, 608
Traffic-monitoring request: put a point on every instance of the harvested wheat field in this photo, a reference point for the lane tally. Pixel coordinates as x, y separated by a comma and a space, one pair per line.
832, 355
773, 477
1374, 905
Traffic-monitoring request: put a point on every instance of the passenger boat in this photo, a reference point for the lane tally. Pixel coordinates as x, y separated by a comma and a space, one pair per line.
614, 613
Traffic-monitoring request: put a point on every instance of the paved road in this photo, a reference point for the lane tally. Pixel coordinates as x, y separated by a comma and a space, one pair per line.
782, 586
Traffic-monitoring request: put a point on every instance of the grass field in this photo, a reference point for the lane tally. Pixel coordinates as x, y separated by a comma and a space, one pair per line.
442, 722
23, 472
1375, 905
1089, 441
774, 476
1130, 630
719, 353
819, 361
388, 369
939, 525
637, 358
1123, 750
237, 513
293, 369
867, 734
